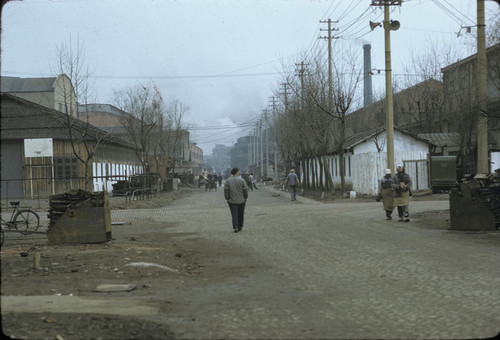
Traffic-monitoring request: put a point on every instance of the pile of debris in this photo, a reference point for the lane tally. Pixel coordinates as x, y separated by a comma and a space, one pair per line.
121, 188
74, 199
486, 188
145, 181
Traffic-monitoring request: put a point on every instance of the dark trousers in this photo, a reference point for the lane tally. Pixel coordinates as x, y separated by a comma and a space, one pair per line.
237, 212
403, 211
292, 192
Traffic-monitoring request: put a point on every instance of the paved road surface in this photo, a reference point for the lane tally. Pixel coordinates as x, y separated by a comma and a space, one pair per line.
314, 270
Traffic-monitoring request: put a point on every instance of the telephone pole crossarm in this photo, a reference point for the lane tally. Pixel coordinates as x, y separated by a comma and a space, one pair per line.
386, 2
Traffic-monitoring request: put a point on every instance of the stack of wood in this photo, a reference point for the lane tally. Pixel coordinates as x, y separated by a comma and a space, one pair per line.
121, 188
487, 189
74, 199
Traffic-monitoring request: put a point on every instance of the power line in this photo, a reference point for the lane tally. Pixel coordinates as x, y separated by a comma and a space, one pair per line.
450, 12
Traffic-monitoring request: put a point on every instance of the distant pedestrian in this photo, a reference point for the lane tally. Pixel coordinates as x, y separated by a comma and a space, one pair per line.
236, 194
386, 194
252, 184
292, 181
220, 179
401, 185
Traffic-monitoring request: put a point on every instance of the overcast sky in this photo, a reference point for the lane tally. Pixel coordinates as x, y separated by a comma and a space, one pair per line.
223, 58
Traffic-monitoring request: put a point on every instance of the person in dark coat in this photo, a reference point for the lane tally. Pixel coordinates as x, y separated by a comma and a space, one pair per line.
236, 194
401, 185
292, 180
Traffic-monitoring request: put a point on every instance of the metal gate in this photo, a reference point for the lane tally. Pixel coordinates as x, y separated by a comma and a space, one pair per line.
12, 169
418, 170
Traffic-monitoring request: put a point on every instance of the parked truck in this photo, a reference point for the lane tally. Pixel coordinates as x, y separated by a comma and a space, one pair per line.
443, 173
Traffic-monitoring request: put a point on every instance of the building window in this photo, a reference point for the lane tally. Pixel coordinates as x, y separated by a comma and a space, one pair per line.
66, 167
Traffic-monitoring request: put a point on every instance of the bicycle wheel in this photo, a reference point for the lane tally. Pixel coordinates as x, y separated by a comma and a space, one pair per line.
26, 221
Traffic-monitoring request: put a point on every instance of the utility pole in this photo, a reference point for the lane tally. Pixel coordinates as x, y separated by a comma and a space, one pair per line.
267, 143
301, 72
330, 71
275, 153
389, 107
261, 152
255, 151
285, 94
255, 147
249, 148
482, 119
252, 151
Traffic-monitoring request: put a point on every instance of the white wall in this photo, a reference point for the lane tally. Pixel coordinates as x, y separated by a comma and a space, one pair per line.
402, 142
367, 165
111, 170
333, 163
368, 169
495, 161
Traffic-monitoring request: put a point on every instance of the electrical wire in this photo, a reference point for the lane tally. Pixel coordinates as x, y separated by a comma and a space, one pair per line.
450, 12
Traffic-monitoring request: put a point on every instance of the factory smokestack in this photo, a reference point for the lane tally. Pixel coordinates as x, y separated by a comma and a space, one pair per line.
367, 93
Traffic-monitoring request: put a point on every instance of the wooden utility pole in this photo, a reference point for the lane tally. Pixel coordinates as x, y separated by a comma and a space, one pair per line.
249, 152
285, 95
389, 106
261, 151
252, 146
482, 116
256, 146
275, 153
330, 67
267, 143
301, 72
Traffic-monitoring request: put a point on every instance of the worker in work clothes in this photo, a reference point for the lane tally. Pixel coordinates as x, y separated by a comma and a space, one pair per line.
386, 194
401, 184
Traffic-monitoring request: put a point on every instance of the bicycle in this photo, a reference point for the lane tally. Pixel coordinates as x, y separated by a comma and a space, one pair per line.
24, 220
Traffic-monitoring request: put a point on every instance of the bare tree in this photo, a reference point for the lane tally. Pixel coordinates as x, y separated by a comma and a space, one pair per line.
420, 106
85, 139
493, 30
142, 113
346, 80
177, 141
315, 125
154, 126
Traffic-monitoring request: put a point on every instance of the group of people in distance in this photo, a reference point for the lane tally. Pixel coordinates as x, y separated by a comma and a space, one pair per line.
394, 191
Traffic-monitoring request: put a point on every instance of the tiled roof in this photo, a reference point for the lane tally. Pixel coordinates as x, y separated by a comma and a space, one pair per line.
442, 139
23, 119
15, 84
363, 136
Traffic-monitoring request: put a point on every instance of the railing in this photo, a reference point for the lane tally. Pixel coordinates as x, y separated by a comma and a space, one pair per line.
43, 187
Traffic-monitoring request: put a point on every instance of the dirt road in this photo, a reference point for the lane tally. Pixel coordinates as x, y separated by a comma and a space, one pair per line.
298, 270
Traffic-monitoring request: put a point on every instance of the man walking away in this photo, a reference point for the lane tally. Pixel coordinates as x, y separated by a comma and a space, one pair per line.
236, 194
292, 180
401, 184
386, 194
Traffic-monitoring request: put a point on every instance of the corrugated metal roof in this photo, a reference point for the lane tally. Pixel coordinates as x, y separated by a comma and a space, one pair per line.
361, 137
442, 139
22, 119
16, 84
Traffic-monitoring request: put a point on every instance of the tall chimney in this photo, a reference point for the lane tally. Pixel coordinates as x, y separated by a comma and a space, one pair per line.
367, 93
